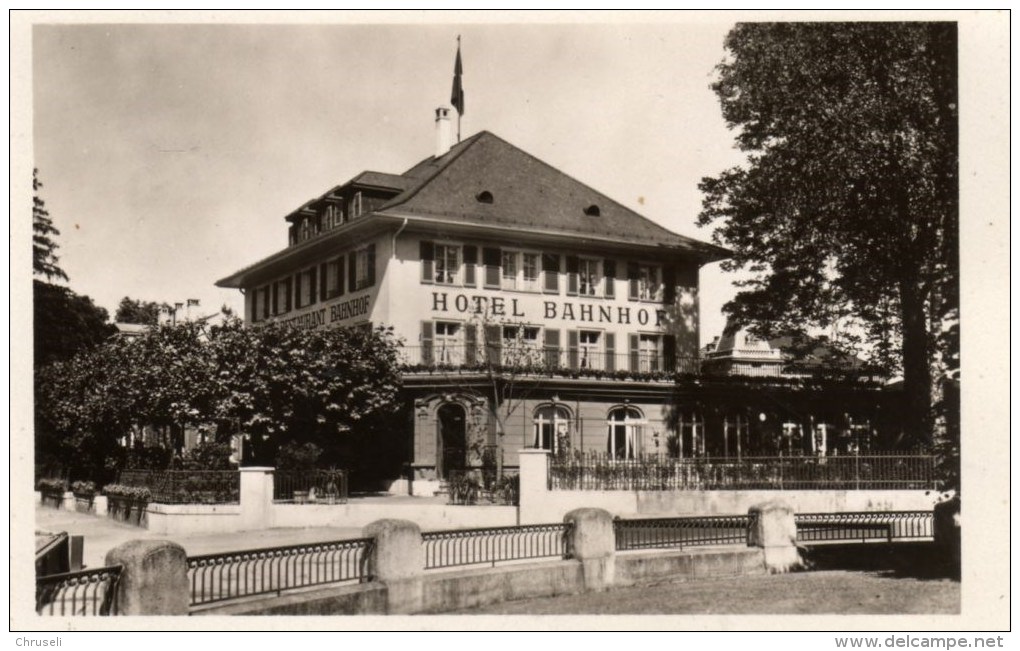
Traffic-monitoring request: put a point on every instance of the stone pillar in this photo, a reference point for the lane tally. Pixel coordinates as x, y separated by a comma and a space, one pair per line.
946, 530
67, 501
534, 473
773, 528
154, 578
398, 561
593, 543
256, 497
38, 498
100, 506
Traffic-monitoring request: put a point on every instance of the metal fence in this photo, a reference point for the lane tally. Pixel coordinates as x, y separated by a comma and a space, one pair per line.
542, 359
598, 471
186, 486
864, 526
219, 577
495, 544
73, 594
310, 487
657, 533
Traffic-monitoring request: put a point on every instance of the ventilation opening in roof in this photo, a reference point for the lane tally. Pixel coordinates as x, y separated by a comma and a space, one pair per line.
484, 196
592, 211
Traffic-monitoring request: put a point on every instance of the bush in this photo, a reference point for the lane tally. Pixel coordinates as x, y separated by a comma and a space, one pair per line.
51, 485
208, 456
84, 489
297, 456
136, 493
464, 488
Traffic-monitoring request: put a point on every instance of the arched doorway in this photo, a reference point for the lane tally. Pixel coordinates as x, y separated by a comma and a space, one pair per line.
452, 420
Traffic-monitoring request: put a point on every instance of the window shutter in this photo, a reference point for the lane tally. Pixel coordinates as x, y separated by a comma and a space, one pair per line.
352, 271
289, 293
669, 280
470, 260
323, 281
491, 258
610, 351
551, 267
470, 344
313, 286
635, 353
669, 353
371, 265
426, 342
493, 343
572, 344
609, 270
632, 279
572, 265
552, 348
340, 281
428, 257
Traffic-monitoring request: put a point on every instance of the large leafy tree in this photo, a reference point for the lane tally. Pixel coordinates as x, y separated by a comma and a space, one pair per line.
846, 211
138, 311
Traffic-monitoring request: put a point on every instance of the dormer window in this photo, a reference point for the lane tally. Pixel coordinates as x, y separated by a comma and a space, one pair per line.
592, 211
484, 197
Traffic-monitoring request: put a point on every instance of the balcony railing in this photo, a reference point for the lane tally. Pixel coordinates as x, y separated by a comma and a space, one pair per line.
540, 359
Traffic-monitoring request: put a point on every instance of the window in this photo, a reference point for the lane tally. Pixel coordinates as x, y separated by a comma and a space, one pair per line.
355, 210
521, 346
333, 216
552, 428
649, 353
624, 432
281, 291
449, 346
364, 267
529, 272
649, 283
509, 265
334, 278
520, 270
692, 433
736, 434
589, 349
589, 277
306, 229
304, 291
447, 263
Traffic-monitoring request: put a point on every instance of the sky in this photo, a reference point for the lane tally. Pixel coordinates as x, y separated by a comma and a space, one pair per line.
170, 154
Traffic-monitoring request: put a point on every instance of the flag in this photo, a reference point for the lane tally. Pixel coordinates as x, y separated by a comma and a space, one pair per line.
457, 96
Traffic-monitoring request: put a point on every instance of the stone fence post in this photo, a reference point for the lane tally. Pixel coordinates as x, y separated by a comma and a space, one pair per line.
398, 562
256, 497
67, 501
773, 528
154, 578
534, 481
593, 543
100, 505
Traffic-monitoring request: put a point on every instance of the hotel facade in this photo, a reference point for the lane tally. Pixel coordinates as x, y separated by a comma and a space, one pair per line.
534, 311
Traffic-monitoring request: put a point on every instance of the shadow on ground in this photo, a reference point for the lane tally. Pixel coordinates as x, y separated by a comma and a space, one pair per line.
920, 560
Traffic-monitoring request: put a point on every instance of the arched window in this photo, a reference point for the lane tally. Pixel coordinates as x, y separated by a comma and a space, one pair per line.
552, 427
624, 432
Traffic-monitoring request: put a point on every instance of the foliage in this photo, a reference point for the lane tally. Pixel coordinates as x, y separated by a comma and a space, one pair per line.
138, 311
464, 488
51, 485
65, 323
44, 259
84, 488
297, 456
135, 493
210, 455
846, 213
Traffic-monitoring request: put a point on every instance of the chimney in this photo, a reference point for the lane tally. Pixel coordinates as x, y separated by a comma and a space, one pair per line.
164, 314
443, 134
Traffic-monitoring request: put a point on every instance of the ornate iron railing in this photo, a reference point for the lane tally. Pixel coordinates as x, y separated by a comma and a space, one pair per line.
492, 545
542, 359
186, 486
219, 577
656, 533
864, 526
73, 594
598, 471
310, 487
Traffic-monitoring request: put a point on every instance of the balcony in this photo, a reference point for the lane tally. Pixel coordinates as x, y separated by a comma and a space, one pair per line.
544, 361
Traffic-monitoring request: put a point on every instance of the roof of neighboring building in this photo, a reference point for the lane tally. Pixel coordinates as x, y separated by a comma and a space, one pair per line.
130, 329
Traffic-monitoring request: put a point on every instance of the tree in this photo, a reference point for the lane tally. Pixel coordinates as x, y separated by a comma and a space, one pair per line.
65, 323
138, 311
44, 259
846, 212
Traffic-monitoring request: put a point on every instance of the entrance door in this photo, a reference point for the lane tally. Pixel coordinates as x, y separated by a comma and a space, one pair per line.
452, 439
